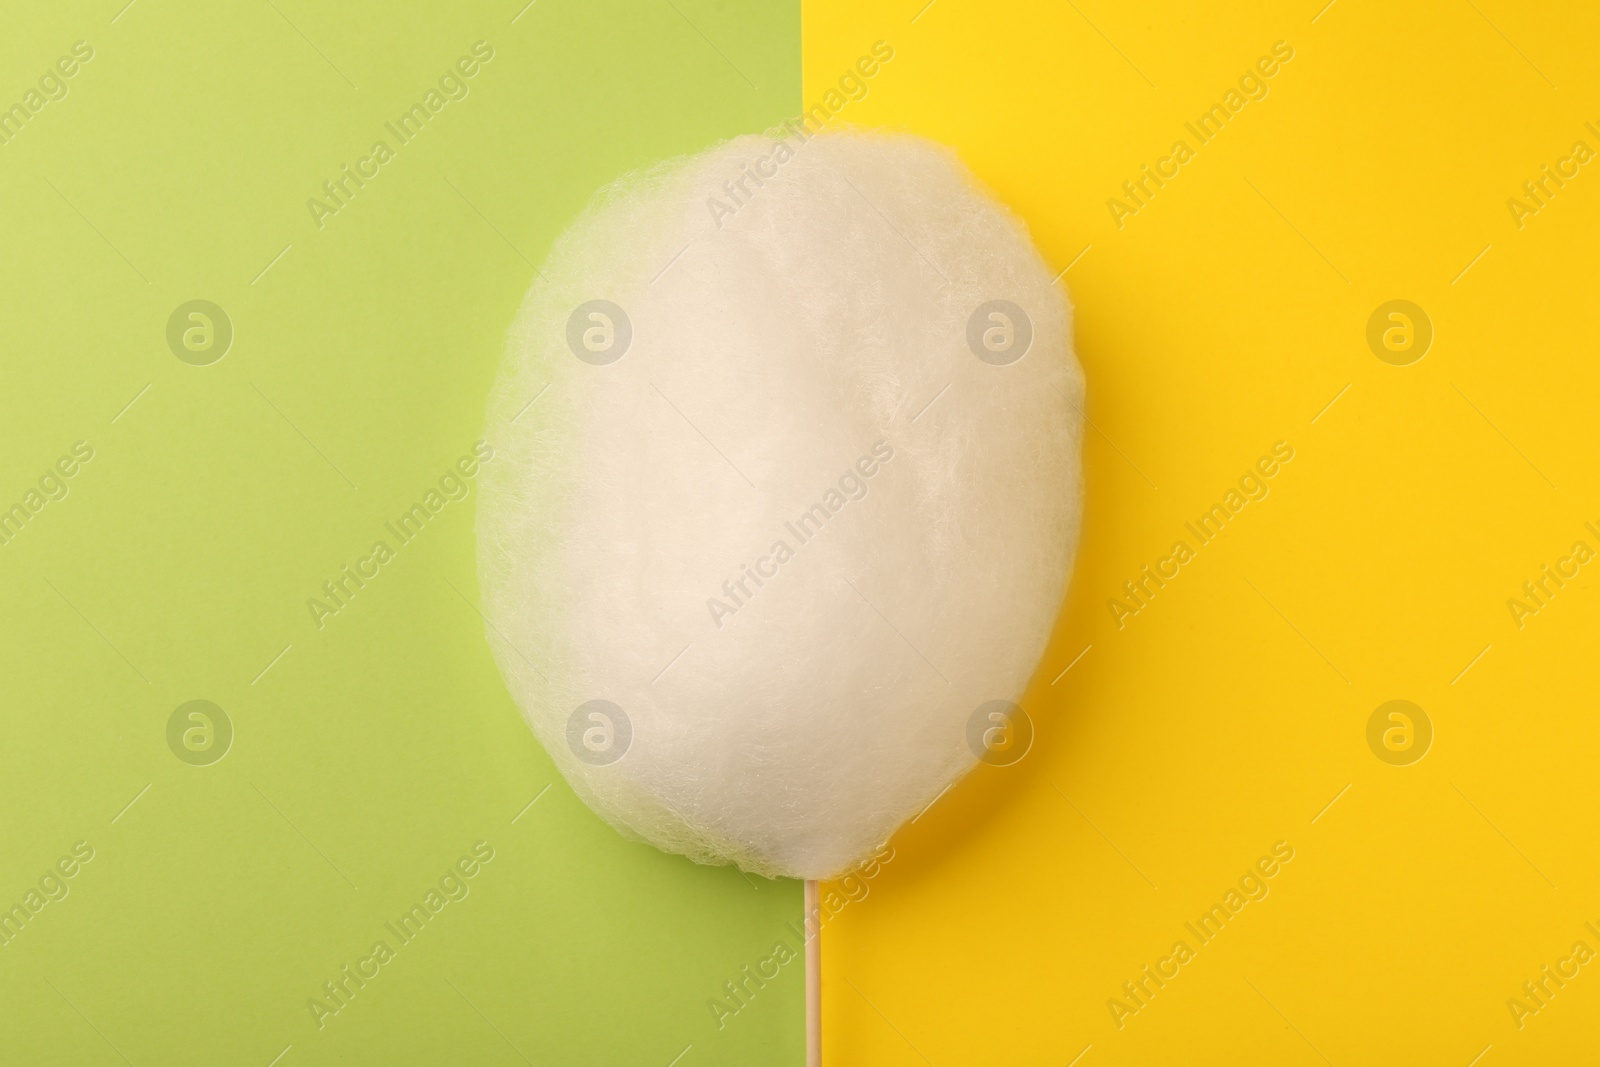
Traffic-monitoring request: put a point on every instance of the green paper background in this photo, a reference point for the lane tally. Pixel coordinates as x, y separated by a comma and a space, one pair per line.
374, 752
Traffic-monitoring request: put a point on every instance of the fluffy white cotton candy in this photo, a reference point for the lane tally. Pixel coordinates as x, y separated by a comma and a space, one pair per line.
786, 490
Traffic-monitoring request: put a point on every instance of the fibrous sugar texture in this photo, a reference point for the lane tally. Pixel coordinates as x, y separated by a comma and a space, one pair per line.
786, 494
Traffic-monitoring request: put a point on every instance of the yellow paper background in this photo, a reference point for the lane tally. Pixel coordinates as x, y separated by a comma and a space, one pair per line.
1224, 316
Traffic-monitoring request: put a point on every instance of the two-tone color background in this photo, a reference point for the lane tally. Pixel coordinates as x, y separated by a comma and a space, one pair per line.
1221, 311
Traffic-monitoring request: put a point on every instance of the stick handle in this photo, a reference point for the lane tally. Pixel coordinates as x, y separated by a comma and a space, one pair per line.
813, 977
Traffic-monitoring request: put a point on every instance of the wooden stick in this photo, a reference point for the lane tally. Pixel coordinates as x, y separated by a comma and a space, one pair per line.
813, 976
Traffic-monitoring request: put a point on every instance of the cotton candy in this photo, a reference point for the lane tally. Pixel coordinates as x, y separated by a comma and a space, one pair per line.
785, 495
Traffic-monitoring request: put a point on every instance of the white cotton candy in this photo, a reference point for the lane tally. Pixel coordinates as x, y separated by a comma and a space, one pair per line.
786, 492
